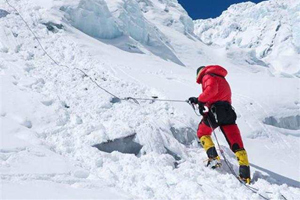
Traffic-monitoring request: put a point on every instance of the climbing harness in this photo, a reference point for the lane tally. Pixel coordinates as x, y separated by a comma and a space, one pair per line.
254, 190
229, 166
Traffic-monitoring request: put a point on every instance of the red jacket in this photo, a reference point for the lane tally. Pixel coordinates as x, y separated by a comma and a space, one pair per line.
214, 85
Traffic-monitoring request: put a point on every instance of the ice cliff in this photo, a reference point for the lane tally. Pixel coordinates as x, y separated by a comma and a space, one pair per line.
268, 32
125, 21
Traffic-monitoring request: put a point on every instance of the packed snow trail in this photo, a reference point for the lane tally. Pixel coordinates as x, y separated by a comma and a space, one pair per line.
50, 113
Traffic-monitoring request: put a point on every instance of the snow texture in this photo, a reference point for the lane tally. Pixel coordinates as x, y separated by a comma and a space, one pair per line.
123, 145
52, 116
88, 13
3, 13
120, 18
268, 31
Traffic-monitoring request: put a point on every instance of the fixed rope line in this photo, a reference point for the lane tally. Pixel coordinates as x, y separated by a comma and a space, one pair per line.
35, 36
254, 190
227, 163
126, 98
51, 58
95, 82
83, 72
156, 99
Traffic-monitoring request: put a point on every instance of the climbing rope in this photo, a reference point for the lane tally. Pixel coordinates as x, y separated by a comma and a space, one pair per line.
135, 99
51, 58
254, 190
154, 98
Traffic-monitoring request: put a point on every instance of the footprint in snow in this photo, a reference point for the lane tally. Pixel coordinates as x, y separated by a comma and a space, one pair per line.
47, 102
27, 123
2, 66
81, 174
28, 67
4, 50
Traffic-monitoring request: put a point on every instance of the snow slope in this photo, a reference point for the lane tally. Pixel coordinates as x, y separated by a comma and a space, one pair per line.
120, 18
267, 32
51, 115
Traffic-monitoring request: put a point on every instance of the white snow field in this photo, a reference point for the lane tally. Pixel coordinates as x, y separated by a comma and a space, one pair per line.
52, 115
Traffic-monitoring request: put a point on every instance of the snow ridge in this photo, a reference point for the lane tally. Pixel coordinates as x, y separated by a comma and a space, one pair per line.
121, 18
268, 30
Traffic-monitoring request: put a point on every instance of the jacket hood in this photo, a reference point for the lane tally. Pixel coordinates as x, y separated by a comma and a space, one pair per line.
211, 69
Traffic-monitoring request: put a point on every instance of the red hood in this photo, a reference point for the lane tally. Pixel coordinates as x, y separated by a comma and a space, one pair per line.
211, 69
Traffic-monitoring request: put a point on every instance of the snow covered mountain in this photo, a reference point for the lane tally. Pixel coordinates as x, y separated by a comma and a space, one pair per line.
267, 34
125, 23
52, 115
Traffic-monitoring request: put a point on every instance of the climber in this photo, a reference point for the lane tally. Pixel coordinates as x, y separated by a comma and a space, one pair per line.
216, 96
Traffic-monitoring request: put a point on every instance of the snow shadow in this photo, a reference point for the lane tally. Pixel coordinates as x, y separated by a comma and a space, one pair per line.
127, 145
123, 145
115, 100
51, 26
3, 13
277, 177
126, 43
230, 164
173, 154
125, 27
291, 122
185, 135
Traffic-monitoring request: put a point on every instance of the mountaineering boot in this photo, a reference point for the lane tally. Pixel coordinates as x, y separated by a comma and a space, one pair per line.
244, 171
245, 174
213, 158
214, 162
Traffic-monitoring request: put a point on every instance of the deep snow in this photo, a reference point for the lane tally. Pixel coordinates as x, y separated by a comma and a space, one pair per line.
51, 116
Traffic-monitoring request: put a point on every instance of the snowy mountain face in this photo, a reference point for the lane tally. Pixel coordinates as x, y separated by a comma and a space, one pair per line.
125, 19
267, 34
53, 117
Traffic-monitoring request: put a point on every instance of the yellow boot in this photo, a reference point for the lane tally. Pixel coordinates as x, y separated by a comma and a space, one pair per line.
244, 171
209, 146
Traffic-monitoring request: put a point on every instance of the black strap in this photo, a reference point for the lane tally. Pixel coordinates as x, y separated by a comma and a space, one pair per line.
212, 74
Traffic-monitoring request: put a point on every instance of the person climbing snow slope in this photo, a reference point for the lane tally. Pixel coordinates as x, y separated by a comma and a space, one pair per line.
216, 96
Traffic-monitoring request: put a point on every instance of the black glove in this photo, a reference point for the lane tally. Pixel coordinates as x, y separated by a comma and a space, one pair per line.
201, 104
193, 100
